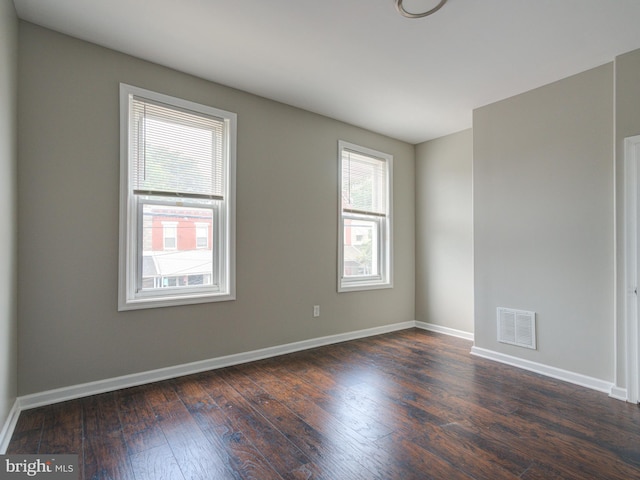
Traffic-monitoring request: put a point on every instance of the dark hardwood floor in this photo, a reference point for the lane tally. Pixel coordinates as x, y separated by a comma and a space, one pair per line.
406, 405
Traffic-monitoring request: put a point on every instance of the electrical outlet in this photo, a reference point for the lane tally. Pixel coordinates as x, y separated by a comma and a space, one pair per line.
316, 310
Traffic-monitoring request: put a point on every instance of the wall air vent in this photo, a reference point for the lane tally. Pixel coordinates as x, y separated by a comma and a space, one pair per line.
517, 327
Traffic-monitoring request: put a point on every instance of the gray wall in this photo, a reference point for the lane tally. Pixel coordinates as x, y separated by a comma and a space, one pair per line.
544, 220
70, 330
627, 102
444, 233
8, 245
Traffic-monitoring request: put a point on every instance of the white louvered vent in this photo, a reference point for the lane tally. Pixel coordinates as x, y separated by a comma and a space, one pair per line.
517, 327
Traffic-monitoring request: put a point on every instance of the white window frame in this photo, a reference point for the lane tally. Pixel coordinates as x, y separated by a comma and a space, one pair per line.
130, 294
384, 257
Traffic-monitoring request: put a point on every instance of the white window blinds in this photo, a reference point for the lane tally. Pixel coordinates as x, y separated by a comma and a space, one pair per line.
176, 153
364, 184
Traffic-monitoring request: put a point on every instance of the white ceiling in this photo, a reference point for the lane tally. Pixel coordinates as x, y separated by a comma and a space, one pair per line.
358, 60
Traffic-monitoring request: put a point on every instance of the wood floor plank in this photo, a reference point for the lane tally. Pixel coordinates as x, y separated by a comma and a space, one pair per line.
405, 405
368, 426
25, 443
564, 422
28, 432
229, 440
367, 454
418, 463
157, 463
569, 455
546, 472
30, 420
104, 449
63, 429
324, 451
286, 459
408, 405
196, 457
140, 429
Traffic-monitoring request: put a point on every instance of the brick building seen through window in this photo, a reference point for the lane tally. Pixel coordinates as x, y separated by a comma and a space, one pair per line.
177, 243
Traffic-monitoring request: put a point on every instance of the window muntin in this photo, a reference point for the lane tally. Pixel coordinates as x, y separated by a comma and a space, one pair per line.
178, 181
365, 220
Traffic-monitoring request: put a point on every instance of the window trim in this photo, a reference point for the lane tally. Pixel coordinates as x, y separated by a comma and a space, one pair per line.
385, 227
130, 252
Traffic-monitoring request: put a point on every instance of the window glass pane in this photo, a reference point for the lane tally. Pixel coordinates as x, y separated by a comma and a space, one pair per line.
172, 256
361, 245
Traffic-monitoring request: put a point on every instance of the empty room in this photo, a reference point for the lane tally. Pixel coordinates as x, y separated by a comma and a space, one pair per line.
304, 239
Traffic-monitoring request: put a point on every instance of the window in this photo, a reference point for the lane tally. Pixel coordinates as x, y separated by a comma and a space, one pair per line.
364, 251
202, 235
170, 235
177, 192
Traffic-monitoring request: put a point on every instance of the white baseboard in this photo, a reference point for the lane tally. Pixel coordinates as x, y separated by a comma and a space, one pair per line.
618, 393
9, 426
101, 386
446, 330
553, 372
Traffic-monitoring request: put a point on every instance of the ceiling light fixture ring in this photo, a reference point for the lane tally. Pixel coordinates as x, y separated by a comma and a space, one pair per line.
407, 14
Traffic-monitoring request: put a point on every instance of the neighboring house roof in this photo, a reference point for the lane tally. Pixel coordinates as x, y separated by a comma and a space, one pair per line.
180, 262
352, 254
148, 266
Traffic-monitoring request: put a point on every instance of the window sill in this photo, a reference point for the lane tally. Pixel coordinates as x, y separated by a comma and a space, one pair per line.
360, 286
173, 301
